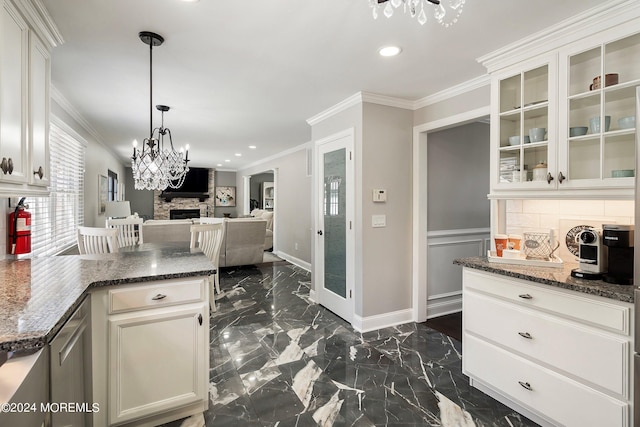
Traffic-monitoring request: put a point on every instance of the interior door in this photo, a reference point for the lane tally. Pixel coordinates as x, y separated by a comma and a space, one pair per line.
334, 249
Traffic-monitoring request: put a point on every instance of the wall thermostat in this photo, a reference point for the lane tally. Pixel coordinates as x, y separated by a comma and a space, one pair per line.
379, 195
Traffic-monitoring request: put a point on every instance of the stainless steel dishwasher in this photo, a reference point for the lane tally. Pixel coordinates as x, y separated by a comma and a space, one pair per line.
70, 353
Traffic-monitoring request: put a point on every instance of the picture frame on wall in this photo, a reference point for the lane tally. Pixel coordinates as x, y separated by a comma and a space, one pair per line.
226, 196
103, 189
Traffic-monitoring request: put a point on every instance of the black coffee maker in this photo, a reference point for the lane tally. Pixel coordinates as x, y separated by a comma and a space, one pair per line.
619, 239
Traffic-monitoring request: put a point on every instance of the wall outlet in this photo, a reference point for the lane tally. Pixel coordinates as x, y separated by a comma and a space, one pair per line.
379, 196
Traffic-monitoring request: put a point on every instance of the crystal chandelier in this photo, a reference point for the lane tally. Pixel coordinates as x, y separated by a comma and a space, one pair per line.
446, 12
154, 166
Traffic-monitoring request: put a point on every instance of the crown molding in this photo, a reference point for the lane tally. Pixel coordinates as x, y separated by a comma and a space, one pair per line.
40, 20
453, 91
276, 156
354, 99
389, 101
64, 103
601, 17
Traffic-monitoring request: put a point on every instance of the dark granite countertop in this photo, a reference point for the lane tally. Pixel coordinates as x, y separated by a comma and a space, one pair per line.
38, 295
558, 277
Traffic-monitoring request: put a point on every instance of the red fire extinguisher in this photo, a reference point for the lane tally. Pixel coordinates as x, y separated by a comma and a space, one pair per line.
20, 230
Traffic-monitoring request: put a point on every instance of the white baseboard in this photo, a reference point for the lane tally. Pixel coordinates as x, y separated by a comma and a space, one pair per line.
437, 308
312, 296
379, 321
295, 261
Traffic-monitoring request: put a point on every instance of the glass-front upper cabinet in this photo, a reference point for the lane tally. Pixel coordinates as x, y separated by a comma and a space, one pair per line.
597, 114
525, 126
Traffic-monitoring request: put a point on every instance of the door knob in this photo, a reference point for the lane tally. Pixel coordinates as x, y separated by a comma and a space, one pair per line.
319, 232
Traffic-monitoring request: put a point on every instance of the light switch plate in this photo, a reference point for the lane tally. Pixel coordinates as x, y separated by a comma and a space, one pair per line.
378, 221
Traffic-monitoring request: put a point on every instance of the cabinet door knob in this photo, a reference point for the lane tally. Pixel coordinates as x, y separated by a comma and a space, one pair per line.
526, 335
561, 177
39, 172
10, 165
525, 385
159, 297
319, 232
549, 178
525, 296
200, 319
4, 165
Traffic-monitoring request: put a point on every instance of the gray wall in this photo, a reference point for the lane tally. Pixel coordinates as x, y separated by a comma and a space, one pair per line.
227, 179
98, 160
293, 204
141, 201
383, 147
458, 178
386, 164
256, 186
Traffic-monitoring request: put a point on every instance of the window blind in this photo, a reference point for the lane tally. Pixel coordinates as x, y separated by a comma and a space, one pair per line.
56, 218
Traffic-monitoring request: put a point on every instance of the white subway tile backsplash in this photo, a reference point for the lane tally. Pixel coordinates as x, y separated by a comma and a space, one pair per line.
619, 208
541, 206
581, 207
514, 206
524, 219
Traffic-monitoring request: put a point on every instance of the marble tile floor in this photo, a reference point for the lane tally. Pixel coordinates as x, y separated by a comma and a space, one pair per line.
278, 359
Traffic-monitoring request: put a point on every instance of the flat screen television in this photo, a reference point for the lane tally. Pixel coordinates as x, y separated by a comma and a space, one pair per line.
195, 185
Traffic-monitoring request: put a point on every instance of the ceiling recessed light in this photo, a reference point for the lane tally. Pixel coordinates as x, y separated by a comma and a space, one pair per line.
253, 147
227, 160
238, 154
190, 1
219, 164
389, 51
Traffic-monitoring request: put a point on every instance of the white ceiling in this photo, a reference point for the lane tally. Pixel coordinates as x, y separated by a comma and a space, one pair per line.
239, 73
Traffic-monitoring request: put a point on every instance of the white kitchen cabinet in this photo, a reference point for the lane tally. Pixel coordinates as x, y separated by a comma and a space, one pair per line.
559, 357
150, 347
39, 78
523, 98
597, 158
554, 91
14, 59
24, 102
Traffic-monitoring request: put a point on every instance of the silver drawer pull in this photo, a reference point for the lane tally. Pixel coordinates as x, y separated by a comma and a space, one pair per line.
525, 385
525, 296
159, 297
526, 335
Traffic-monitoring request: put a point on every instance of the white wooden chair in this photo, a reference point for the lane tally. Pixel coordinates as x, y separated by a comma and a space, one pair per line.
96, 240
129, 230
208, 237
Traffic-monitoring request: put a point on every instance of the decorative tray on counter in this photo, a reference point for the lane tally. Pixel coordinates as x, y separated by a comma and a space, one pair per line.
555, 262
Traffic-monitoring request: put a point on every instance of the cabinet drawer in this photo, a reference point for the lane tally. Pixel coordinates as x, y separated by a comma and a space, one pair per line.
556, 342
615, 317
156, 294
552, 396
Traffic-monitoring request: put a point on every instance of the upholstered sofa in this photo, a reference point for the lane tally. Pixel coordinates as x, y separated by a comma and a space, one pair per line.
243, 241
267, 216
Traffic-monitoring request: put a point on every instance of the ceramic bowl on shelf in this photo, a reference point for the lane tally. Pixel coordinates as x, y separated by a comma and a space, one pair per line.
578, 130
594, 124
515, 140
622, 173
537, 134
627, 122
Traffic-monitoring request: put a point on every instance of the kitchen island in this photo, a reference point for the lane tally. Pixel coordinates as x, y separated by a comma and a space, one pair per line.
555, 348
162, 287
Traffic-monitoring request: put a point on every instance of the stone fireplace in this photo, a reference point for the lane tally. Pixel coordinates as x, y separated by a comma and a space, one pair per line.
184, 213
162, 209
